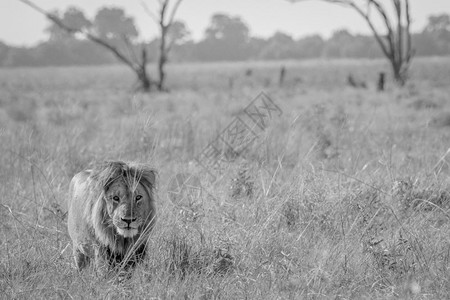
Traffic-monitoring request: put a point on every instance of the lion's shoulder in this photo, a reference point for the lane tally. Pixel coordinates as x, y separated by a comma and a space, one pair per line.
80, 201
81, 177
79, 185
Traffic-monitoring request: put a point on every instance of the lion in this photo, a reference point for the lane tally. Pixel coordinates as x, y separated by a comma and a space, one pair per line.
111, 211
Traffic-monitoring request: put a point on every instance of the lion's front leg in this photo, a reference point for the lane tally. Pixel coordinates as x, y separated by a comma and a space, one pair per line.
81, 259
102, 265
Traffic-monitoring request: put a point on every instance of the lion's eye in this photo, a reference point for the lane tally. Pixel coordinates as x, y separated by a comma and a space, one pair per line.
138, 197
116, 198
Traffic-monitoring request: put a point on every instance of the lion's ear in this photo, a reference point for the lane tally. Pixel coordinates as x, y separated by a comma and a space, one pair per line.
149, 175
105, 173
148, 178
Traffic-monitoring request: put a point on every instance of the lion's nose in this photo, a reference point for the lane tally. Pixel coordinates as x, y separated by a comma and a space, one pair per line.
128, 220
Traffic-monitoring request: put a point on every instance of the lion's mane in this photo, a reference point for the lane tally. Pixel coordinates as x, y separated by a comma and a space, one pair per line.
89, 222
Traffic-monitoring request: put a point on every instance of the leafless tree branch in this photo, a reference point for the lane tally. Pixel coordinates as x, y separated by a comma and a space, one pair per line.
174, 11
135, 65
164, 19
149, 12
397, 44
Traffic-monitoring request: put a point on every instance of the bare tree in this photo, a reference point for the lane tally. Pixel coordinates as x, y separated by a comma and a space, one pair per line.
164, 19
396, 44
137, 63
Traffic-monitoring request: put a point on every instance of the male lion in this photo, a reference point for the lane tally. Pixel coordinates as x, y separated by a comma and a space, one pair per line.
111, 210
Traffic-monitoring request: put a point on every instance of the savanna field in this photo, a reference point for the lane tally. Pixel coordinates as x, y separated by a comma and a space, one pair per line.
345, 196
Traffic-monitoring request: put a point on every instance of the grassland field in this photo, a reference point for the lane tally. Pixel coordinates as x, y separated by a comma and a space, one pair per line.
345, 196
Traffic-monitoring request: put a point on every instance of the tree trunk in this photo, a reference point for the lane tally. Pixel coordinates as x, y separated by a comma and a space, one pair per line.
162, 58
380, 84
144, 80
161, 72
142, 74
400, 75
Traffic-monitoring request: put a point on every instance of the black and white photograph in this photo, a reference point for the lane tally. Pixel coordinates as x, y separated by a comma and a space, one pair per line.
224, 149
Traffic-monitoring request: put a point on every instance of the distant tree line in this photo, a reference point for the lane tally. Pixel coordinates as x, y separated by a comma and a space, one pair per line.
227, 38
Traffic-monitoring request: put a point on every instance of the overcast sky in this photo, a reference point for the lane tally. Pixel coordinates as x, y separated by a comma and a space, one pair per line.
20, 25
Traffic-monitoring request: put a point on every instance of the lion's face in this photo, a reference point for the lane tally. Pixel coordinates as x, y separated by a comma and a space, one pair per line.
128, 207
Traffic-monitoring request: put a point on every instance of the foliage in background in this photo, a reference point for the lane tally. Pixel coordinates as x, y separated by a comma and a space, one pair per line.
227, 38
115, 32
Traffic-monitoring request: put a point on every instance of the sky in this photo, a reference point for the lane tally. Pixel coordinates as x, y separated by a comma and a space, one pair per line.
21, 26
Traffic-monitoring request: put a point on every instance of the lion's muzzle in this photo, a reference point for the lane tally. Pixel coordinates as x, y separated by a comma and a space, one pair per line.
128, 220
127, 226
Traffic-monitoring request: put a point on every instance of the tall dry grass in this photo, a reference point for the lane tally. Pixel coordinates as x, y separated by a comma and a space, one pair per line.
344, 196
